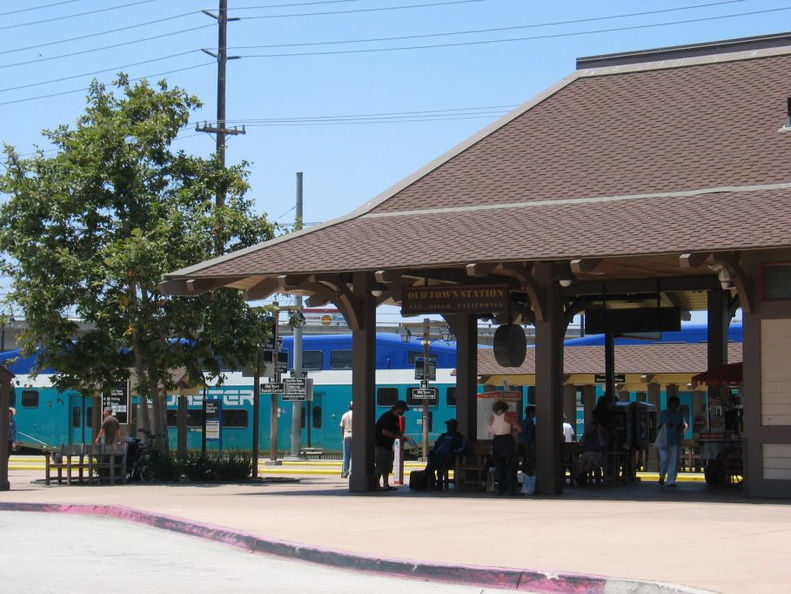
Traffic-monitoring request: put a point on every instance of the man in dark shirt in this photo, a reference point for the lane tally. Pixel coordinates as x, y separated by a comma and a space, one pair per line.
387, 430
111, 429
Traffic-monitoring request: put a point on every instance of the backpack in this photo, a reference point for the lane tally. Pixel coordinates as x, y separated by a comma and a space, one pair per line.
418, 480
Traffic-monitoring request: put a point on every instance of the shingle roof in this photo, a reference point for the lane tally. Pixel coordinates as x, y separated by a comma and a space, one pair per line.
592, 168
648, 358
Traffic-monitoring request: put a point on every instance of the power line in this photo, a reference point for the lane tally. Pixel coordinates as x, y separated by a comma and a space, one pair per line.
71, 16
493, 30
105, 47
2, 14
100, 33
355, 10
114, 69
83, 89
513, 39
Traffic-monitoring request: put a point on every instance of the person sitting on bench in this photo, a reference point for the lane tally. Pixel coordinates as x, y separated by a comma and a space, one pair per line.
592, 458
442, 456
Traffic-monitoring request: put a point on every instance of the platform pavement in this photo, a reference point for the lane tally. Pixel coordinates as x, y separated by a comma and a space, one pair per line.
639, 538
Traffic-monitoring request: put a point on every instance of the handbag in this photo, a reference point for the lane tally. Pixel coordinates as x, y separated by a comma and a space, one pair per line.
661, 439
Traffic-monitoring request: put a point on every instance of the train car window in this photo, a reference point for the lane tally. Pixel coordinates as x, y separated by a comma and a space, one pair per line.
316, 416
29, 398
412, 356
12, 394
386, 396
88, 415
194, 418
450, 396
412, 401
341, 360
312, 360
234, 418
75, 416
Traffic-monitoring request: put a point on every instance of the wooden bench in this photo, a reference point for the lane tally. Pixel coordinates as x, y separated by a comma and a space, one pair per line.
107, 462
470, 471
71, 458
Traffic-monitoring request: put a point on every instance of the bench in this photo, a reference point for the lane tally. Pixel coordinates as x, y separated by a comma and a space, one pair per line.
312, 453
471, 471
107, 462
71, 458
87, 463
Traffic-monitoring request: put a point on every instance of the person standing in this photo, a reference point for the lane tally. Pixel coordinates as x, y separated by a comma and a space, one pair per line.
673, 420
11, 430
386, 431
527, 441
502, 425
568, 431
346, 437
111, 428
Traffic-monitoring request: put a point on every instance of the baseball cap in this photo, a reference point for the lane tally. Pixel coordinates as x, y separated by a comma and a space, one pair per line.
401, 405
452, 422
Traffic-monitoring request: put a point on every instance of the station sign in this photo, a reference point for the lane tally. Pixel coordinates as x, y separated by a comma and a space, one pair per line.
272, 388
420, 369
618, 378
212, 418
298, 388
424, 394
117, 400
455, 299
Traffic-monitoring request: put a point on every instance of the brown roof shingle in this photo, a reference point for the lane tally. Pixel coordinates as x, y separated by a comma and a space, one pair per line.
630, 160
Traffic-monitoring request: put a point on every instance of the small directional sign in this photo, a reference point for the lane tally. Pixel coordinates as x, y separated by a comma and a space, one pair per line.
618, 378
272, 388
424, 394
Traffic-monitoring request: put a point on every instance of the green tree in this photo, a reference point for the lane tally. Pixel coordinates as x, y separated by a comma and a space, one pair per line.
88, 232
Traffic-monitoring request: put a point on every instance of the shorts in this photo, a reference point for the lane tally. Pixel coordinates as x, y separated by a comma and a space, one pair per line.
383, 461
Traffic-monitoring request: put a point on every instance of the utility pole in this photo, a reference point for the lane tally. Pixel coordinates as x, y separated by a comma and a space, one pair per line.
296, 405
222, 57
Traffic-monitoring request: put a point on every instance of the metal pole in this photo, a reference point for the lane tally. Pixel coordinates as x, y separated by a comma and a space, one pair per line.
426, 367
296, 405
273, 411
257, 405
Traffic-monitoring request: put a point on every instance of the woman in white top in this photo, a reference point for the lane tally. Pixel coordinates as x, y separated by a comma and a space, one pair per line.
503, 425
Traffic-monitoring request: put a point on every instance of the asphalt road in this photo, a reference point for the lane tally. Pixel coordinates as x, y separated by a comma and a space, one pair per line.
63, 553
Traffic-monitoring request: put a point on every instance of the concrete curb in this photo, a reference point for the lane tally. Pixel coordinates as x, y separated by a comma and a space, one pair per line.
491, 577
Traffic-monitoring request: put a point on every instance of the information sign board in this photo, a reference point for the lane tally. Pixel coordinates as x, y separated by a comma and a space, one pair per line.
272, 388
298, 388
117, 400
212, 419
420, 369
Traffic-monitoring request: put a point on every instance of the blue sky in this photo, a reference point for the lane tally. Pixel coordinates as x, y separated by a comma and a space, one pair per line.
356, 94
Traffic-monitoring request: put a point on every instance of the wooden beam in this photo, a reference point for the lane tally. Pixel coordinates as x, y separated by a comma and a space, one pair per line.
693, 260
584, 265
262, 290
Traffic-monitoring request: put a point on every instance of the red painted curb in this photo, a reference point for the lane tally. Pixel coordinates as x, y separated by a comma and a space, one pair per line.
509, 579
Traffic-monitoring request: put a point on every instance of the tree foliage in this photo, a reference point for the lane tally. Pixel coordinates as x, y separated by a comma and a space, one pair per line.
89, 231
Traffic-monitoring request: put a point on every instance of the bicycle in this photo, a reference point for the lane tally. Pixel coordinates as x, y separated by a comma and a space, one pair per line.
141, 467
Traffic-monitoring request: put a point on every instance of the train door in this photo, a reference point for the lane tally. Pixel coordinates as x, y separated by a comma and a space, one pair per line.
80, 410
313, 425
